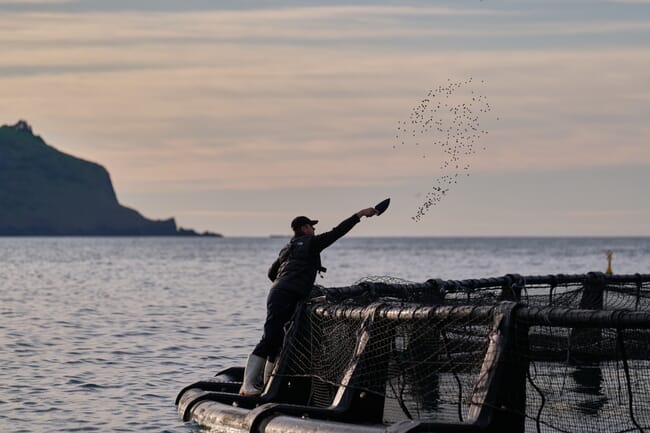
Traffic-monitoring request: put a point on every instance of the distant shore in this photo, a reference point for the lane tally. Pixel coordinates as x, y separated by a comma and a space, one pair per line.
46, 192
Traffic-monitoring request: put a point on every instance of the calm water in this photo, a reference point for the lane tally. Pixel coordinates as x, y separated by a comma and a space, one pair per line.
100, 334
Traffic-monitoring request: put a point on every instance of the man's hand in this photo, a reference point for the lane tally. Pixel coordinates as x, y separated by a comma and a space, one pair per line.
368, 212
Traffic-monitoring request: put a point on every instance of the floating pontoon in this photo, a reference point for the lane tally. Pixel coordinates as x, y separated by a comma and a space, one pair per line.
557, 353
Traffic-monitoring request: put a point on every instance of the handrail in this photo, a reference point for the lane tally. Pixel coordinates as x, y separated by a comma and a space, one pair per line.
441, 287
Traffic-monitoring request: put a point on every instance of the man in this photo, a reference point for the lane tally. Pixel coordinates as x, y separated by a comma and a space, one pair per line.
293, 274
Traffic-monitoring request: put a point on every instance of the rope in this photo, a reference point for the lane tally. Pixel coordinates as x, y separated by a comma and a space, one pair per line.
626, 369
458, 382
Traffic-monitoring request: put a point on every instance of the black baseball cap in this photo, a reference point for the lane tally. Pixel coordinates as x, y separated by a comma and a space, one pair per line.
300, 221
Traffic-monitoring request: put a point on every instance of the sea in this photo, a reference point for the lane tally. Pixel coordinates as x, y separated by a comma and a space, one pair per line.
100, 334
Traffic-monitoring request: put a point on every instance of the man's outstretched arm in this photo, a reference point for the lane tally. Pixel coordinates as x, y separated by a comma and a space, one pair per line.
326, 239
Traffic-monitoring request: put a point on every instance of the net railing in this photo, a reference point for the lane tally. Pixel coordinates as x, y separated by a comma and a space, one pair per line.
558, 353
622, 292
423, 361
588, 370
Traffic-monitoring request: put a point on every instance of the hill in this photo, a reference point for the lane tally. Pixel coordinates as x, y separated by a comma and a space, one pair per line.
45, 192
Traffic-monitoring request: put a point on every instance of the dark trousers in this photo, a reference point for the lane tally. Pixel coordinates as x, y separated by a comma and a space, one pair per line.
280, 306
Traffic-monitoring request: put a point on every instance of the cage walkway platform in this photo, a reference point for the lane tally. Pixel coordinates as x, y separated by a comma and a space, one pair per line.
555, 353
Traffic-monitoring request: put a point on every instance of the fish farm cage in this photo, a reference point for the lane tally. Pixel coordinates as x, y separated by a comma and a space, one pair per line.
556, 353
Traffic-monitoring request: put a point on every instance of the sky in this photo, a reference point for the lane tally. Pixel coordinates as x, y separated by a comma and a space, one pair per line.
236, 116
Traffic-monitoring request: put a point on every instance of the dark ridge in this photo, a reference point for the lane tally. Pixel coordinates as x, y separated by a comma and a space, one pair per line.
45, 192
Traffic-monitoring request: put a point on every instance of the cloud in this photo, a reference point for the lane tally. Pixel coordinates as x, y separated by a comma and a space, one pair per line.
231, 116
231, 213
301, 26
610, 213
246, 99
34, 2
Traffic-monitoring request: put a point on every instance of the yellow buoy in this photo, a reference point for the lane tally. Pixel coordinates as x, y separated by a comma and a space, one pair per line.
610, 254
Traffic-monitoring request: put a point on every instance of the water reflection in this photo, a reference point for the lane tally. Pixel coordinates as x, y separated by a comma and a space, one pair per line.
589, 380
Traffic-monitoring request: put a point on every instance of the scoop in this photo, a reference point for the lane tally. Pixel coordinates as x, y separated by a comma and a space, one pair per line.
382, 206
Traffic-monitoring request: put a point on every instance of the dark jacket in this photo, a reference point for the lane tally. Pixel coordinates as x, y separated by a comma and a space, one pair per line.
298, 262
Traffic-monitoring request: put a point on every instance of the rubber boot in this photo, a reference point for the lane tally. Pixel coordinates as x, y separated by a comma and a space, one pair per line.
253, 376
268, 371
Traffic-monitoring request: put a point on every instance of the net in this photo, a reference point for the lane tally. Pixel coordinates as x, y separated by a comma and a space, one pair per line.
542, 353
587, 372
424, 364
